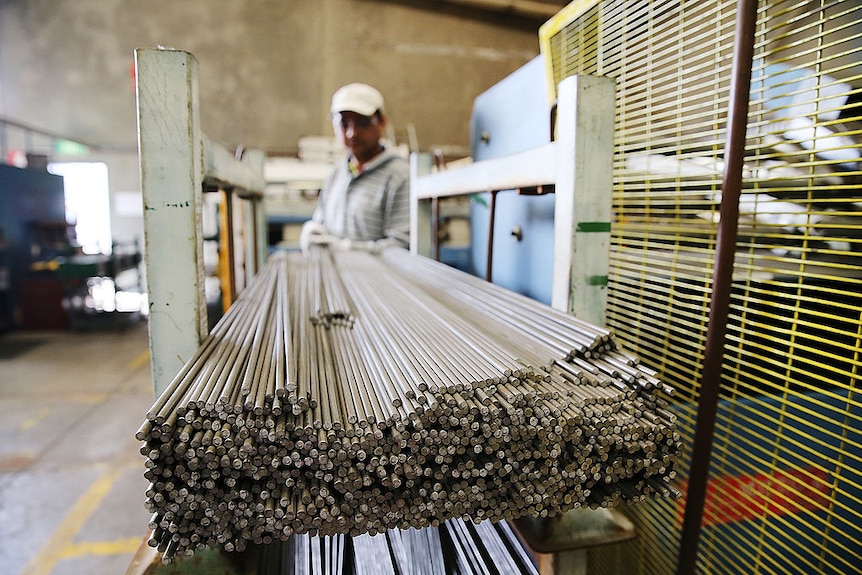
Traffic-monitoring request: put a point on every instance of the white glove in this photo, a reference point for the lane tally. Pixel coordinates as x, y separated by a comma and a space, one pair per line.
373, 246
307, 234
315, 233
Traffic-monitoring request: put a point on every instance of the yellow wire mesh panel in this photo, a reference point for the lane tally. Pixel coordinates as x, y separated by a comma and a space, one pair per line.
785, 492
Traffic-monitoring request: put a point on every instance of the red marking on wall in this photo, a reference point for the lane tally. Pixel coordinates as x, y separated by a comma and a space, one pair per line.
741, 497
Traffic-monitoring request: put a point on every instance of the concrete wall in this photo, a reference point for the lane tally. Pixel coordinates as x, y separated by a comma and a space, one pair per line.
267, 67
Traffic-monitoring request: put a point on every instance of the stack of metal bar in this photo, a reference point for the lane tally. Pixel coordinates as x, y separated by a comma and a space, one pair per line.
353, 393
457, 547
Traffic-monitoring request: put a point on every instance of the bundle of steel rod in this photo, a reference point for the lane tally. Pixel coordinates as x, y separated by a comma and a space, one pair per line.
352, 393
457, 547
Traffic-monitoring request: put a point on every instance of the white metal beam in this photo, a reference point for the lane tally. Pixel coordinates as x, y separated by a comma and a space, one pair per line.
534, 167
582, 206
170, 150
222, 168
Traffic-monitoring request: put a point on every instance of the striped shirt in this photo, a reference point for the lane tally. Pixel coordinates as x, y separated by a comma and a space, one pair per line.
370, 205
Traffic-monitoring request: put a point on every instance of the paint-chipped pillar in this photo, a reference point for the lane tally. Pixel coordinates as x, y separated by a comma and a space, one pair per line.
171, 164
584, 182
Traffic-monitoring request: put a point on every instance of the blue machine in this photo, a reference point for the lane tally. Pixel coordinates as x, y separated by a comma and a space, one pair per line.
512, 116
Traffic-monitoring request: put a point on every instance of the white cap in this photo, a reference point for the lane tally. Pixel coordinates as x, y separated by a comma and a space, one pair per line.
359, 98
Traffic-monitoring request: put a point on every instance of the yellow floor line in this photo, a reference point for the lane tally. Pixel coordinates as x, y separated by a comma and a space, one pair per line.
31, 422
117, 547
141, 360
61, 544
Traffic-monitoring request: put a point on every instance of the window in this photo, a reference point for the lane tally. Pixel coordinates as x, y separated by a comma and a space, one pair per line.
88, 204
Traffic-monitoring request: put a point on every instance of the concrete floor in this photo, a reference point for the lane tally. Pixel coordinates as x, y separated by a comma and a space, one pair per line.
71, 476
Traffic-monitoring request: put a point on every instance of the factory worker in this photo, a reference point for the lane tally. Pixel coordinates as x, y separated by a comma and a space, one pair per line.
364, 200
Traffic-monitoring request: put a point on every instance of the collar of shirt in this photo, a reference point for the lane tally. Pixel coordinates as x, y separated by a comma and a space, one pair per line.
356, 170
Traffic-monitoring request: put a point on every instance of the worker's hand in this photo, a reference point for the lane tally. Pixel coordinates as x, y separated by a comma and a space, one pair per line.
311, 232
336, 243
314, 233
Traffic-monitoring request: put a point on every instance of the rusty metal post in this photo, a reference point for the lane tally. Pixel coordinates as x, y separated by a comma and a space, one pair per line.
492, 208
731, 187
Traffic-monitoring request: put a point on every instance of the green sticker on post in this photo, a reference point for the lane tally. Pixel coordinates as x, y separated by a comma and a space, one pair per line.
597, 280
592, 227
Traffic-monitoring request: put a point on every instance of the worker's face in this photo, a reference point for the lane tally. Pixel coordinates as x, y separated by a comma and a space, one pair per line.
361, 134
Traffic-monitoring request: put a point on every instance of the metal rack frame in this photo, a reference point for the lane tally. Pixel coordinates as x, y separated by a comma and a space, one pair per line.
577, 166
177, 164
